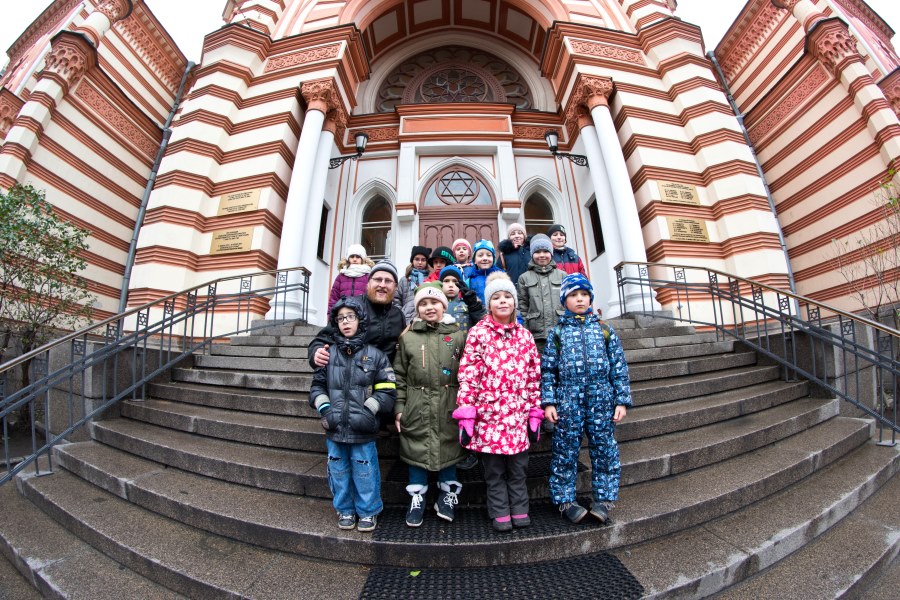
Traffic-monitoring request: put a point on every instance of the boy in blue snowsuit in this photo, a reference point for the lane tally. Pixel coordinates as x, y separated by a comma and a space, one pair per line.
485, 263
584, 386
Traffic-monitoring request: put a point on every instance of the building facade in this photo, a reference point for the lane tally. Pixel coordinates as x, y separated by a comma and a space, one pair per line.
455, 97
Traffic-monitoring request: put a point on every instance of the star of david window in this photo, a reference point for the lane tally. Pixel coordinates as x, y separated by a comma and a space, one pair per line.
457, 187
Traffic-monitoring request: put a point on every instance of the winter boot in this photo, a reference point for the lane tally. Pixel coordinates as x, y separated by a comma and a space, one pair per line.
416, 513
600, 510
447, 499
573, 511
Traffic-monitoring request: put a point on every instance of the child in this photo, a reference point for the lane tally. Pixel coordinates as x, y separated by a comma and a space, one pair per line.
584, 385
514, 252
426, 364
477, 274
538, 289
416, 274
462, 251
464, 305
564, 257
499, 401
441, 257
353, 276
341, 393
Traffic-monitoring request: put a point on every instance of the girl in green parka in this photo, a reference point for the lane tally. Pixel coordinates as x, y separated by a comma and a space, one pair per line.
426, 366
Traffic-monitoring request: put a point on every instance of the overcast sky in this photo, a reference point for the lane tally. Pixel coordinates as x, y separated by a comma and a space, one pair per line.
713, 16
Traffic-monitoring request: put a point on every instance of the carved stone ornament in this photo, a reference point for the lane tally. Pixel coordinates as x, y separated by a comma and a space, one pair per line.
114, 10
832, 43
69, 58
595, 90
786, 4
319, 95
10, 105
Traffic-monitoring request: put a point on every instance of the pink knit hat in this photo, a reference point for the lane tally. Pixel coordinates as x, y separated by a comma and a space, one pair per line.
464, 242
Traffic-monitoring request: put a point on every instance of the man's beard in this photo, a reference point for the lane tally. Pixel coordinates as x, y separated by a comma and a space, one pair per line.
370, 294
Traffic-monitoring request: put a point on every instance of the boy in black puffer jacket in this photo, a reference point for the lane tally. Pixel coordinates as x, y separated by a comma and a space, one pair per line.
357, 384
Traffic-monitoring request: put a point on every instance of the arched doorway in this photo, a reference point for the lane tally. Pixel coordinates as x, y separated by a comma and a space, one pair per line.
457, 204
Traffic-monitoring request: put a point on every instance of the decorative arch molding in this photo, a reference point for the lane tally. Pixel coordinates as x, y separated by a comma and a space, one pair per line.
356, 207
546, 188
541, 91
457, 162
365, 12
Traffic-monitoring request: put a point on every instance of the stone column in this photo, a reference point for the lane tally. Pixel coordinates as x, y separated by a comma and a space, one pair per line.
101, 20
319, 96
804, 10
70, 57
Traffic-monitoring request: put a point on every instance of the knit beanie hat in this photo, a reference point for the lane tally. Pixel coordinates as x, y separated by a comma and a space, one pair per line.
357, 250
572, 282
452, 271
387, 266
557, 227
516, 227
500, 282
464, 242
417, 250
431, 290
540, 242
442, 252
485, 245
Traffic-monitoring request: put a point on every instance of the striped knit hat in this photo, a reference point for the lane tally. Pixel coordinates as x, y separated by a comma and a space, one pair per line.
572, 282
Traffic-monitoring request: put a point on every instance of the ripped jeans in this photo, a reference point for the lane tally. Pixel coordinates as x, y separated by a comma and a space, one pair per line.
354, 478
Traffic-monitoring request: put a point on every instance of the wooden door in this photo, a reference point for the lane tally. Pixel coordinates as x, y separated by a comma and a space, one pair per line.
442, 228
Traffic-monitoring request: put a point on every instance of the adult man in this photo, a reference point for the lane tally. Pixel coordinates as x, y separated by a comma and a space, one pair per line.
386, 321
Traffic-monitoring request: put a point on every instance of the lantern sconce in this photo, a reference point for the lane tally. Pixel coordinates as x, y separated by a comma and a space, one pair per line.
553, 142
361, 139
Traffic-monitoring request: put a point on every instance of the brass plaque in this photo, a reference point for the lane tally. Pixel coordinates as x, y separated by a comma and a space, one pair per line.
238, 202
678, 193
226, 241
687, 230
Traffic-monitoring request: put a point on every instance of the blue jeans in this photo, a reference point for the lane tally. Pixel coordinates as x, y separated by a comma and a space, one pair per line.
354, 478
419, 476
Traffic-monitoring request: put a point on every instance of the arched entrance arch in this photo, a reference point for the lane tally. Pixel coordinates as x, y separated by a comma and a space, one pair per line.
457, 203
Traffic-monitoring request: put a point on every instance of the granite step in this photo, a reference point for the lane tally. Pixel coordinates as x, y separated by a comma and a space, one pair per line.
705, 559
285, 328
235, 398
56, 563
244, 379
293, 352
185, 559
252, 364
657, 391
646, 511
642, 355
269, 341
676, 367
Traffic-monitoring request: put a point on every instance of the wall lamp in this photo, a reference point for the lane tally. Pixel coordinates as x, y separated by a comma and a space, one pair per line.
361, 139
553, 142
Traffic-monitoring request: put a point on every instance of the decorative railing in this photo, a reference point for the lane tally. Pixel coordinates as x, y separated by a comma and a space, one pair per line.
85, 373
847, 355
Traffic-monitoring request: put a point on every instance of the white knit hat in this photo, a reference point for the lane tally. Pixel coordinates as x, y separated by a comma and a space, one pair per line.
500, 282
357, 250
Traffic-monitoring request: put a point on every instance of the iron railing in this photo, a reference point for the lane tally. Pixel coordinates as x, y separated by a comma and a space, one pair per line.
79, 376
849, 356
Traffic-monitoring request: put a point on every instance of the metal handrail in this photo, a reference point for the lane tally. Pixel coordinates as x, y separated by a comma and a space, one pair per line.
847, 355
116, 358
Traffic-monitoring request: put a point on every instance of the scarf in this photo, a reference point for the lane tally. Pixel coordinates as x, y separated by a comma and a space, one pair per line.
356, 270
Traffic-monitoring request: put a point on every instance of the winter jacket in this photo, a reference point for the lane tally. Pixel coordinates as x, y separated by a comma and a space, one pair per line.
477, 278
583, 352
538, 291
386, 323
350, 282
566, 260
499, 375
515, 260
406, 290
356, 371
426, 366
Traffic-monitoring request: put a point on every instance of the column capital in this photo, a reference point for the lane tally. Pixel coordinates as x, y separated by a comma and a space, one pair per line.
831, 42
10, 105
335, 120
786, 4
320, 95
71, 56
114, 10
594, 90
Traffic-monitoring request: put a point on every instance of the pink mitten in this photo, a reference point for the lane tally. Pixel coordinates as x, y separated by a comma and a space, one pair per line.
466, 417
535, 418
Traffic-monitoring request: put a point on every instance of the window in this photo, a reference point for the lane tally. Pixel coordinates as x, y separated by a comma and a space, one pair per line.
323, 230
376, 228
538, 215
457, 187
599, 246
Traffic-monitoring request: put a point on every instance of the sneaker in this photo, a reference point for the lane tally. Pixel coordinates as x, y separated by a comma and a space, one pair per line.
416, 513
447, 499
572, 511
346, 521
600, 510
367, 524
521, 521
502, 525
469, 462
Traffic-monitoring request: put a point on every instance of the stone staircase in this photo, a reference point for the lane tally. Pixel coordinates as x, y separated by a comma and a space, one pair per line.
734, 482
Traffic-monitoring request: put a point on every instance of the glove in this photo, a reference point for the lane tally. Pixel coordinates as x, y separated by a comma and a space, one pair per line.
372, 404
535, 418
466, 417
323, 405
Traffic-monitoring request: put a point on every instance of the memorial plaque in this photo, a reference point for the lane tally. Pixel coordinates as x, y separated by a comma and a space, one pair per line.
226, 241
687, 230
678, 193
238, 202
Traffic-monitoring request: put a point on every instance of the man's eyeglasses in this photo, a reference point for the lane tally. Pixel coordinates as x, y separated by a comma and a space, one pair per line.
350, 318
382, 281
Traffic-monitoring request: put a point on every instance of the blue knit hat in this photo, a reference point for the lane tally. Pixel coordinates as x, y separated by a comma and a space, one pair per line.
484, 245
451, 270
572, 282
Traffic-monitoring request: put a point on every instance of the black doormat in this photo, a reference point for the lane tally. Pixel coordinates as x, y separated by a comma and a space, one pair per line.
595, 576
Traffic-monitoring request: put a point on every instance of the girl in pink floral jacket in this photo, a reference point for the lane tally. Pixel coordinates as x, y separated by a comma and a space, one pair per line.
499, 402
